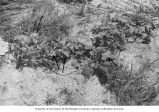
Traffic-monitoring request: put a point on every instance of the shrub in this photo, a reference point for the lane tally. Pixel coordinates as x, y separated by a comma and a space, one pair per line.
42, 33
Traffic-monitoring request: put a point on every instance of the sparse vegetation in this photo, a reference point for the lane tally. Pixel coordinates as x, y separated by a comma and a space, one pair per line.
40, 36
131, 88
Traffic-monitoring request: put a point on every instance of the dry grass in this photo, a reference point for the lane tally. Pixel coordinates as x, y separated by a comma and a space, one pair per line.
131, 88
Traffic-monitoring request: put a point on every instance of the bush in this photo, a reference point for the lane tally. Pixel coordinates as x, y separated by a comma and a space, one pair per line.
41, 33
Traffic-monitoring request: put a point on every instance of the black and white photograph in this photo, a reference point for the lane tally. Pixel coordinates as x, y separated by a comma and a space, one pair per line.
79, 53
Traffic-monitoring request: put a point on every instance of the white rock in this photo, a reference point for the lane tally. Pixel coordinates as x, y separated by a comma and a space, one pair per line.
97, 2
3, 47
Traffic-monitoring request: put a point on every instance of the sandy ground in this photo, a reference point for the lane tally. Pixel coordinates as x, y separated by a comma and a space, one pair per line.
36, 87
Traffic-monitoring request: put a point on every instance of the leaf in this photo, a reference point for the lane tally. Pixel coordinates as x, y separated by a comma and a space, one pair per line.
66, 53
106, 55
52, 53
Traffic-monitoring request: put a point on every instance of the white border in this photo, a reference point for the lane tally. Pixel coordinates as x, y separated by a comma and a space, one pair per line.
79, 108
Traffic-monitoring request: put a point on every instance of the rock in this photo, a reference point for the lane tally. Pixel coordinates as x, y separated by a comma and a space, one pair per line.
4, 46
130, 40
97, 2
